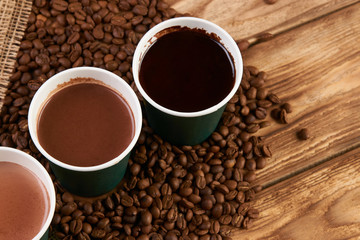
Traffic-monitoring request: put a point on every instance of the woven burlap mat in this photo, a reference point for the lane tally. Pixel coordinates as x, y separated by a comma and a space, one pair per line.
13, 20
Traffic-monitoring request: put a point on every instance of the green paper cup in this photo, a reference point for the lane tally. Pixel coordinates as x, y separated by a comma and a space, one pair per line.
185, 128
93, 180
25, 160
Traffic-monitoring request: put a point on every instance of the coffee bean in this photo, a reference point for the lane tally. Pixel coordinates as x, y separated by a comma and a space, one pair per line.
206, 203
260, 113
251, 93
103, 223
127, 201
264, 124
257, 83
243, 45
87, 228
266, 36
140, 10
261, 93
283, 116
253, 213
186, 203
217, 210
260, 163
67, 197
287, 107
270, 1
75, 226
264, 103
303, 134
146, 217
146, 201
69, 208
200, 182
143, 183
73, 38
225, 219
251, 164
266, 151
275, 113
172, 215
252, 128
274, 98
98, 233
167, 201
250, 176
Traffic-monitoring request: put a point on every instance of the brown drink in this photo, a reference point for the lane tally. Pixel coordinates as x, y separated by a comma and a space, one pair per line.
24, 202
85, 123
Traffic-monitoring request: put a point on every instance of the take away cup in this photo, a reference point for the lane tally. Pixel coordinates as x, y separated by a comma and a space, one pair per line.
185, 128
91, 180
25, 160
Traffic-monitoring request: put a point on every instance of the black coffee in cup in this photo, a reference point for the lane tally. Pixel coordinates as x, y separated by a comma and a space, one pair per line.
187, 70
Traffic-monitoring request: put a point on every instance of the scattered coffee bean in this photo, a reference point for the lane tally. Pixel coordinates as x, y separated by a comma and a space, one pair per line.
287, 107
243, 45
274, 98
263, 37
303, 134
270, 1
283, 116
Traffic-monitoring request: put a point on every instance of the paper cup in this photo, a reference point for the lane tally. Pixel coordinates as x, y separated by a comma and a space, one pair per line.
92, 180
185, 128
16, 156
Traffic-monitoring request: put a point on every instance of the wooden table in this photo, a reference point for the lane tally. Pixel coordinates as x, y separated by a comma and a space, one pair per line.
311, 188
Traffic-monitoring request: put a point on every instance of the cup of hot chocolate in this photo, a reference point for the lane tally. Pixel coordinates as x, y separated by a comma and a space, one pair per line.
186, 69
86, 121
27, 196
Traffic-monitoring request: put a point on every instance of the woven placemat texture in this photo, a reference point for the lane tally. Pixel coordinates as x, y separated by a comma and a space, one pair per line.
13, 21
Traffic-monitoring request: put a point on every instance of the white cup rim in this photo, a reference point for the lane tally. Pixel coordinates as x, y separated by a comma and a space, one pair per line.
48, 184
137, 114
149, 37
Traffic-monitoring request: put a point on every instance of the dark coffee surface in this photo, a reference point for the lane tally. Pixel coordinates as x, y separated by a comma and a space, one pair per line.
85, 124
187, 71
24, 203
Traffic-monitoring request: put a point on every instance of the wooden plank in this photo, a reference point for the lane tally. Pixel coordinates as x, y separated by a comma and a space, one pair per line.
245, 19
315, 67
321, 203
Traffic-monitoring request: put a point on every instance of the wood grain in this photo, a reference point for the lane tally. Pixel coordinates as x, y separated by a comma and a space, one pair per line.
321, 203
246, 19
316, 68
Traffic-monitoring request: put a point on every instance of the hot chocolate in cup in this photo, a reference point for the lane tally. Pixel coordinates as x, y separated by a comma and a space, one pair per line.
86, 121
27, 196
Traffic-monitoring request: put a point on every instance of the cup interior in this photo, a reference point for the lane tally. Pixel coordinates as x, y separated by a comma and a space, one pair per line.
108, 78
16, 156
191, 22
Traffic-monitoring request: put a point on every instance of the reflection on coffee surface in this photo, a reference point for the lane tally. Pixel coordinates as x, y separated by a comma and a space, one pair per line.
85, 123
24, 202
187, 70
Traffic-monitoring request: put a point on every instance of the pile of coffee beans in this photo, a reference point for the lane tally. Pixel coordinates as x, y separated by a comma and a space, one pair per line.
170, 192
